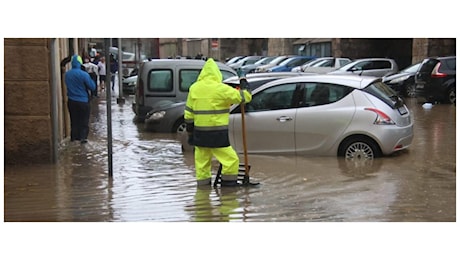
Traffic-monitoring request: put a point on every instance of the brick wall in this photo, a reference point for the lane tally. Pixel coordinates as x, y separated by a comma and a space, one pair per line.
27, 101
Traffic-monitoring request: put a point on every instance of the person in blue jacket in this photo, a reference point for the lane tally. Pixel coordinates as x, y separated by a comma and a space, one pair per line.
79, 85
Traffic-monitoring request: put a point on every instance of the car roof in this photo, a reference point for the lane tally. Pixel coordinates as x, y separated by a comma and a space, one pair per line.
178, 61
264, 75
442, 58
354, 81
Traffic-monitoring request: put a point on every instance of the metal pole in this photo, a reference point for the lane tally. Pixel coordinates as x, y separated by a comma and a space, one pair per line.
120, 99
54, 100
109, 104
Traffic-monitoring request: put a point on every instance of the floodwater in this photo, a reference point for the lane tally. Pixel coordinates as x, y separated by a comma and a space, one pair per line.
153, 180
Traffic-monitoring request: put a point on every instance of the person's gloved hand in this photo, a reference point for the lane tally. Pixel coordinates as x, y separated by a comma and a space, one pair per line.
190, 127
244, 84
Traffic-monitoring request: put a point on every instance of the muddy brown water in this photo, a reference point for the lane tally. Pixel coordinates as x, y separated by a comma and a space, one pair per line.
153, 180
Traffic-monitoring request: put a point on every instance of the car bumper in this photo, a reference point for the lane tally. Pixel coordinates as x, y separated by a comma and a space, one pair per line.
395, 139
141, 111
156, 126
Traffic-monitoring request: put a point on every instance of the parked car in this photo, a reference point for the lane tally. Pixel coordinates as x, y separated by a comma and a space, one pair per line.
334, 63
233, 60
245, 61
358, 117
378, 67
325, 65
165, 81
290, 63
129, 85
306, 64
273, 63
435, 79
169, 118
403, 82
250, 68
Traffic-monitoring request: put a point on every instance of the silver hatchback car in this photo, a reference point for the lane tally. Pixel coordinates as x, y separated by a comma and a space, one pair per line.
324, 115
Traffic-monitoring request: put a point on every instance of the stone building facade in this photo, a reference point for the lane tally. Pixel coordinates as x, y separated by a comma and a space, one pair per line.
36, 120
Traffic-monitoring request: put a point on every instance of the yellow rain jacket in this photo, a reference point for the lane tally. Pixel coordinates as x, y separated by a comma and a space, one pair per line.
208, 104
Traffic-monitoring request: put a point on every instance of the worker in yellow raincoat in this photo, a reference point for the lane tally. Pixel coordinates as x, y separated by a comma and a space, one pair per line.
207, 117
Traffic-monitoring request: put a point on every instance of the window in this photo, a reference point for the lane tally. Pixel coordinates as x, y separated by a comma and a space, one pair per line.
325, 63
160, 81
227, 74
384, 93
316, 94
363, 65
380, 64
343, 62
450, 63
187, 78
320, 49
274, 98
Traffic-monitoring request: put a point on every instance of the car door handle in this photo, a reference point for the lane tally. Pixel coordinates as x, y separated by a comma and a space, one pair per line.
284, 118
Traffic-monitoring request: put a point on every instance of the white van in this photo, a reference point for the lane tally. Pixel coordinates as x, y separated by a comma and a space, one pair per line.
165, 81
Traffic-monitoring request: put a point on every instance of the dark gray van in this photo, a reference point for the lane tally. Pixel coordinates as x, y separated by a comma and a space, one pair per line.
164, 81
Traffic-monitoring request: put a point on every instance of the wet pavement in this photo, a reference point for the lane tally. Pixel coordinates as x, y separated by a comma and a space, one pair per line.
153, 180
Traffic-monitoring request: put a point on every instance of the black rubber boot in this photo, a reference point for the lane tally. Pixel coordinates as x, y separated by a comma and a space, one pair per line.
228, 183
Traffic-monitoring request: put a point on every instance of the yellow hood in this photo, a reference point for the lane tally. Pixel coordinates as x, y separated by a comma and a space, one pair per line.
210, 72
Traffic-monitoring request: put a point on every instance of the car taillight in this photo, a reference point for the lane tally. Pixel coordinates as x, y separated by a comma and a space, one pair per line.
436, 74
382, 118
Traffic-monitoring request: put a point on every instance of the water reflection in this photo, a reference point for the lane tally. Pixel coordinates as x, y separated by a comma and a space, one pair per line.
153, 180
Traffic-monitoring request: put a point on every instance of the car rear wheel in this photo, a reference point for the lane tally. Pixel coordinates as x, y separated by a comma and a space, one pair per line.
359, 148
451, 96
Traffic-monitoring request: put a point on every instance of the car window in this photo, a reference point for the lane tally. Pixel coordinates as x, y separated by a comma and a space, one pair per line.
380, 64
363, 65
428, 65
298, 62
316, 94
412, 68
450, 64
227, 74
186, 78
384, 93
326, 63
160, 80
274, 98
278, 60
343, 62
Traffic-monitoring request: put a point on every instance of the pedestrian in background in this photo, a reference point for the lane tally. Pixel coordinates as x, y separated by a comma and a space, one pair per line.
102, 72
113, 70
207, 117
92, 70
78, 84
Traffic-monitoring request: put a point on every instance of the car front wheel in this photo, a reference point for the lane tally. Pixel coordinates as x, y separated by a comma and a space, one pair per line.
179, 126
359, 148
410, 90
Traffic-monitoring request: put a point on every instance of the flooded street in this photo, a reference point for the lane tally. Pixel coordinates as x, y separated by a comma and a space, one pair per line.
153, 180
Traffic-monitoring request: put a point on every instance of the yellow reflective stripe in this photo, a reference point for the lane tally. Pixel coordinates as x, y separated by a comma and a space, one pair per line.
211, 112
188, 121
211, 128
188, 109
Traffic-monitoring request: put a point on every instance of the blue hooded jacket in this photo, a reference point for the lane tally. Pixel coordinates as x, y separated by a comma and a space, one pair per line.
78, 82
